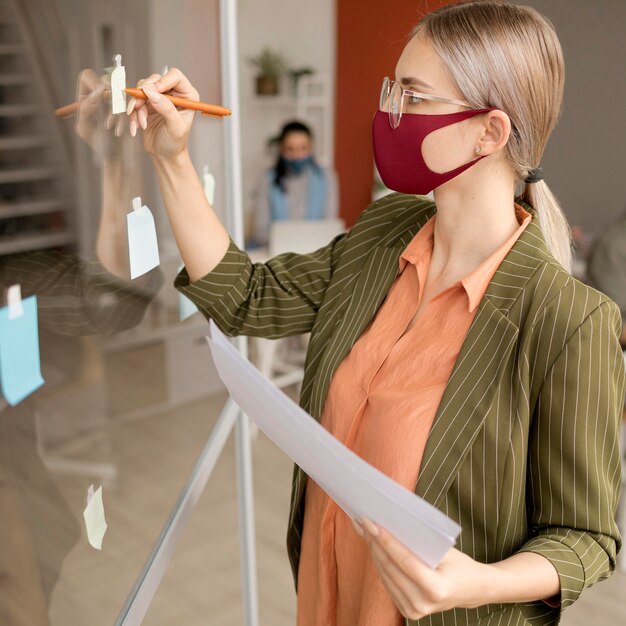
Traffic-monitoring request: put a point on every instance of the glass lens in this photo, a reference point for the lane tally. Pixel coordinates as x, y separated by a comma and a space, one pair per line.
395, 106
383, 103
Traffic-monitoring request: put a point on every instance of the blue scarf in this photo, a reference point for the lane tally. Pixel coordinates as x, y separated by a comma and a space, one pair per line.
316, 195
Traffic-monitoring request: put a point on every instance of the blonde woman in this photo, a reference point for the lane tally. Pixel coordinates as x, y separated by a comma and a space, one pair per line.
450, 346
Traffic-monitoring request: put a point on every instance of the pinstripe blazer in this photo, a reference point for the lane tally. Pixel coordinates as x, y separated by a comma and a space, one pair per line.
523, 451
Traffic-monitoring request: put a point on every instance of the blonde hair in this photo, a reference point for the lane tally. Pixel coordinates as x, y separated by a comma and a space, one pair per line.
509, 57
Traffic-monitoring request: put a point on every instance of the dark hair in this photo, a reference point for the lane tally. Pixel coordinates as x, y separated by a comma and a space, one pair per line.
280, 169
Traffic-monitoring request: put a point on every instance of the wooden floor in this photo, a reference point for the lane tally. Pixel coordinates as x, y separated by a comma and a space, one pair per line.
202, 585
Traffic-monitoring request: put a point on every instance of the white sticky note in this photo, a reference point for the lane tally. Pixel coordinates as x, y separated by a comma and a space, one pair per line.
143, 248
208, 182
118, 84
94, 517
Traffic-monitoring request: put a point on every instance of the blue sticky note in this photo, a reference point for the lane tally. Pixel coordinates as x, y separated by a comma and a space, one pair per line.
143, 249
186, 308
20, 368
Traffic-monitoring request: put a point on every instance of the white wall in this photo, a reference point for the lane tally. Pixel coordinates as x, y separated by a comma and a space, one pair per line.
185, 34
304, 32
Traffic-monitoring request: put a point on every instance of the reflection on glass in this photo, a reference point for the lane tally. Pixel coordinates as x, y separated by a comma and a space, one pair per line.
126, 401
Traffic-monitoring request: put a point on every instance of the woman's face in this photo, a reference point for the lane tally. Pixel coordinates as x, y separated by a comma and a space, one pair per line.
296, 146
421, 69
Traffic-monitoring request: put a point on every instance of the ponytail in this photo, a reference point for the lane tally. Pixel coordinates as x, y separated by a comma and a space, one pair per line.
554, 226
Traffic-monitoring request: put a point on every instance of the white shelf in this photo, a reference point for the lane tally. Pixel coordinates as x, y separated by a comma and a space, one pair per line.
27, 174
27, 242
36, 207
10, 49
24, 141
19, 110
15, 79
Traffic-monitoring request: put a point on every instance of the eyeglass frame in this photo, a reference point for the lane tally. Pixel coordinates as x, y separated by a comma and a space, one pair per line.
424, 96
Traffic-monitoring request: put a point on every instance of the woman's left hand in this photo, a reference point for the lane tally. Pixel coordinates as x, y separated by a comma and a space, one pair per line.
416, 589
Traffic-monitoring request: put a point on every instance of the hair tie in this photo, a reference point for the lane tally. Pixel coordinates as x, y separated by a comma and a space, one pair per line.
534, 176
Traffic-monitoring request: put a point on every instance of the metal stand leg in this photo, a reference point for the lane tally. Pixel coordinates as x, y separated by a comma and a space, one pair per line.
148, 581
243, 443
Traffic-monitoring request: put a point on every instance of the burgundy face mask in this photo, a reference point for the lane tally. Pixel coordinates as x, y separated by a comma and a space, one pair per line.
398, 152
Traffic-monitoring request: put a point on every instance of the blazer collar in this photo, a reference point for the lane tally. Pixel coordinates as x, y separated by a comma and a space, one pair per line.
530, 250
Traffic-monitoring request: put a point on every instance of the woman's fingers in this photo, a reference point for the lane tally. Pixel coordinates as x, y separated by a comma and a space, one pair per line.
130, 106
88, 81
176, 127
133, 124
399, 597
176, 81
119, 125
398, 553
137, 103
142, 117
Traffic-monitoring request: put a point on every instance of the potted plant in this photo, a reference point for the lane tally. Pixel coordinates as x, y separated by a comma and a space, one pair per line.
271, 66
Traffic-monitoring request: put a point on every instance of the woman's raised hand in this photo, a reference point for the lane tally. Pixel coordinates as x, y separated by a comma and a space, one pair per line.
165, 128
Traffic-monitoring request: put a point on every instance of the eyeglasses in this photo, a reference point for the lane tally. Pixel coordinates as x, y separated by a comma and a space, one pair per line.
392, 100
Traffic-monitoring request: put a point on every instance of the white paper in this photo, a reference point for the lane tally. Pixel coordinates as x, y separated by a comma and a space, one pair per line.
357, 487
94, 517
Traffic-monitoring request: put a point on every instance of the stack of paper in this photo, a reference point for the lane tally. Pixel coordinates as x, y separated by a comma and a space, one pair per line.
357, 487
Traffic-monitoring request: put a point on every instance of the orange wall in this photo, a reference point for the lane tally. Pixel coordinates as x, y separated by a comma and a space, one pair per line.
370, 37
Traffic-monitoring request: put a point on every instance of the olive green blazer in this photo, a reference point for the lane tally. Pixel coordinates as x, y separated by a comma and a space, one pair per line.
523, 451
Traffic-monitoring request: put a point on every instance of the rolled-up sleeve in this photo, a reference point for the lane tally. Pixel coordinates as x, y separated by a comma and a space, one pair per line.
574, 463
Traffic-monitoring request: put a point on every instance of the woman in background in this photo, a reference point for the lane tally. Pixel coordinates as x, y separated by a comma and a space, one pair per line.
297, 187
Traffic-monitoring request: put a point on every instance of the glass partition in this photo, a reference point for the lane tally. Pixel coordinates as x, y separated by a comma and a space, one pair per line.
129, 394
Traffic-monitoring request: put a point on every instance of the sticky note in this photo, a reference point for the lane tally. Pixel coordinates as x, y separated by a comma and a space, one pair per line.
143, 248
208, 183
186, 308
118, 84
20, 367
94, 517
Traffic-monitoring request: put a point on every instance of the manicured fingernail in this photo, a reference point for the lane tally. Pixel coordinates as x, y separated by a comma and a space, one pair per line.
133, 127
142, 116
371, 528
131, 106
152, 93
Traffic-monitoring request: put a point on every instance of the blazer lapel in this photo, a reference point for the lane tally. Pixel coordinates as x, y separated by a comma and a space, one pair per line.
466, 400
373, 284
477, 373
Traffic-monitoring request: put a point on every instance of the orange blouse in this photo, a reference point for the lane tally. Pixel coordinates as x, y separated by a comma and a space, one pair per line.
381, 404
